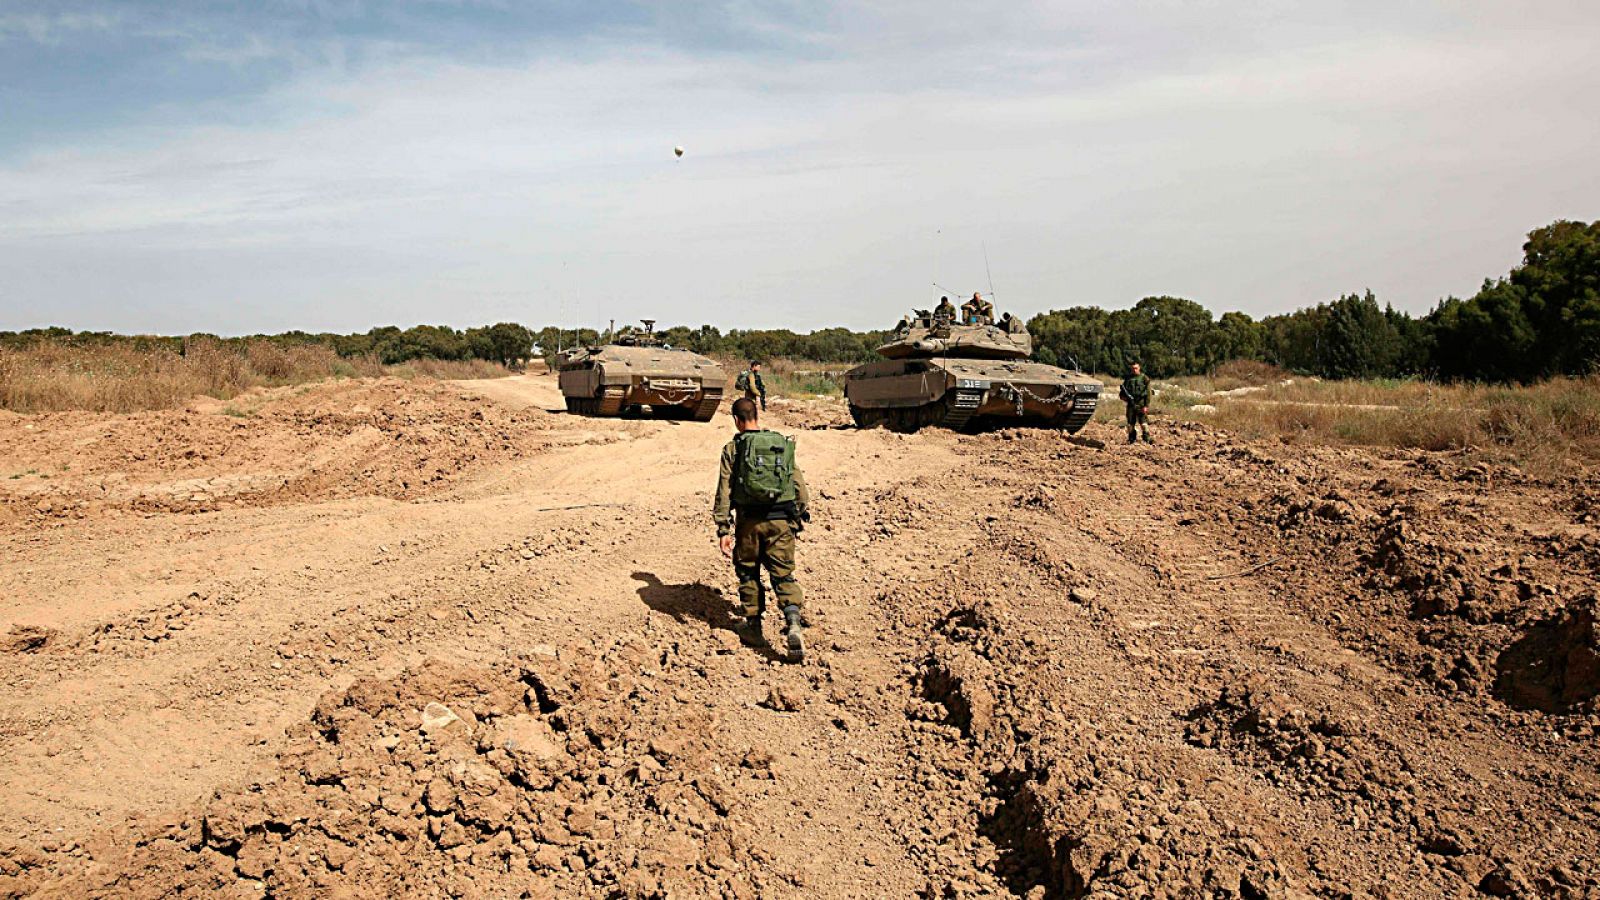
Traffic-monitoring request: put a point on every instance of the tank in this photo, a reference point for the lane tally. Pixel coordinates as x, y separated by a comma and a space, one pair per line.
636, 371
954, 374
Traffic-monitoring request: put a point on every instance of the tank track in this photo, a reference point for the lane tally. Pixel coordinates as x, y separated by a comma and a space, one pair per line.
609, 403
612, 403
942, 412
710, 399
1083, 407
955, 411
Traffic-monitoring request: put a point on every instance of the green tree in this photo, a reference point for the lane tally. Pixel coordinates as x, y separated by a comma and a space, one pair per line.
1171, 336
1560, 283
1358, 340
1239, 337
1489, 336
509, 343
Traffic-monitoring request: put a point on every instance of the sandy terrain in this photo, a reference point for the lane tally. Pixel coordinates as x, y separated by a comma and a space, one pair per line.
387, 638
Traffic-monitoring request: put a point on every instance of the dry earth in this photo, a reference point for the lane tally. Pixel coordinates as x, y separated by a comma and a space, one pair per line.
409, 639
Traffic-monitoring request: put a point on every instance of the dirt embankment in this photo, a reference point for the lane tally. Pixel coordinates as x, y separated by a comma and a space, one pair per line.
384, 438
1207, 668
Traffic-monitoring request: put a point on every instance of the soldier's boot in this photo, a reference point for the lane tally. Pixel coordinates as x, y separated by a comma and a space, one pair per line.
1133, 436
797, 644
753, 597
1147, 438
750, 633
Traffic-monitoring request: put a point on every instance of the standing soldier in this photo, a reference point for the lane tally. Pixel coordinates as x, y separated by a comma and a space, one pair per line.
760, 506
1136, 394
749, 381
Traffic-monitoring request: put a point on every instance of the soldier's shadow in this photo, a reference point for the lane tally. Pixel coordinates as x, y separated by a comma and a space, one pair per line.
693, 601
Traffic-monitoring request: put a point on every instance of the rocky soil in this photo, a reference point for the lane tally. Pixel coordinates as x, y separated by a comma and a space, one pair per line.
433, 640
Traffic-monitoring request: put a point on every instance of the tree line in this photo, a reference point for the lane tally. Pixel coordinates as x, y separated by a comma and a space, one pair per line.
1542, 319
507, 343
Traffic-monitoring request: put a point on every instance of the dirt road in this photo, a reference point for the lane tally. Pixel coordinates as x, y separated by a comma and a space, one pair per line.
437, 640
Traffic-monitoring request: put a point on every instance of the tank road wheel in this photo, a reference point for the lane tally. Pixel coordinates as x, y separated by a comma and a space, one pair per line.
572, 404
907, 419
915, 418
868, 418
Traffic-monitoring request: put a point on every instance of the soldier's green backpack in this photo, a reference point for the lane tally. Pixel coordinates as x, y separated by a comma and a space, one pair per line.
742, 383
763, 469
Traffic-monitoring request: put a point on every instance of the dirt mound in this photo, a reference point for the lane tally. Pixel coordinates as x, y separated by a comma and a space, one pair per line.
1067, 818
553, 774
385, 437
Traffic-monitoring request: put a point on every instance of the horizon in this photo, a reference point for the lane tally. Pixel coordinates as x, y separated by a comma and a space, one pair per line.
182, 168
601, 327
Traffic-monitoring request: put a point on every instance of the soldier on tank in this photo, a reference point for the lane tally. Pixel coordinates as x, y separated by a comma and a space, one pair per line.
977, 311
749, 382
1135, 393
761, 504
945, 310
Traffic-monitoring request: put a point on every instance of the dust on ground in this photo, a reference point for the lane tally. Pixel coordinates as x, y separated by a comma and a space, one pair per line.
504, 664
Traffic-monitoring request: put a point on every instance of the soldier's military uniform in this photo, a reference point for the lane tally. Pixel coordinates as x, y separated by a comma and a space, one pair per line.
945, 310
750, 382
977, 311
763, 538
1135, 393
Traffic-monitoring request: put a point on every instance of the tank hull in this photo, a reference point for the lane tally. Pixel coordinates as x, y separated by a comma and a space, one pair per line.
907, 394
614, 381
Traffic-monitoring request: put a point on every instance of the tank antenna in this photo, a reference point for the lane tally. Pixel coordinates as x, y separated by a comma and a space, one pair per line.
986, 270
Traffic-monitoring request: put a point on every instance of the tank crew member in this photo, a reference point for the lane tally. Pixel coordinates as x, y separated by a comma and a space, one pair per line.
1135, 393
977, 311
945, 310
761, 504
749, 381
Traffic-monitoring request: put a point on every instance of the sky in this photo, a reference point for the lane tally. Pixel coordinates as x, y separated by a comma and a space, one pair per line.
333, 165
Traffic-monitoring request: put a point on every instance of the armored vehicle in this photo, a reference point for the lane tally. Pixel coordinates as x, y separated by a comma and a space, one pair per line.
636, 369
950, 373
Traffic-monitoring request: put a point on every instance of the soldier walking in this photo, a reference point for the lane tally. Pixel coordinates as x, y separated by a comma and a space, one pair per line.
1136, 394
749, 381
761, 504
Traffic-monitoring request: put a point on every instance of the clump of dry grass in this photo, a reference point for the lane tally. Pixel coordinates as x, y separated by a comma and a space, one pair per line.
51, 376
1240, 373
1548, 427
446, 369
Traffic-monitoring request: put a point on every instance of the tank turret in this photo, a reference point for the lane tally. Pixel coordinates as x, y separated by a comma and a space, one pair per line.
924, 334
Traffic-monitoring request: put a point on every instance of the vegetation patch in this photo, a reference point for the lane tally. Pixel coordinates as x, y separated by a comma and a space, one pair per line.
130, 376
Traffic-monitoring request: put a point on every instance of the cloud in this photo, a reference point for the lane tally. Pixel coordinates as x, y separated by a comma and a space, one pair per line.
53, 28
833, 172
